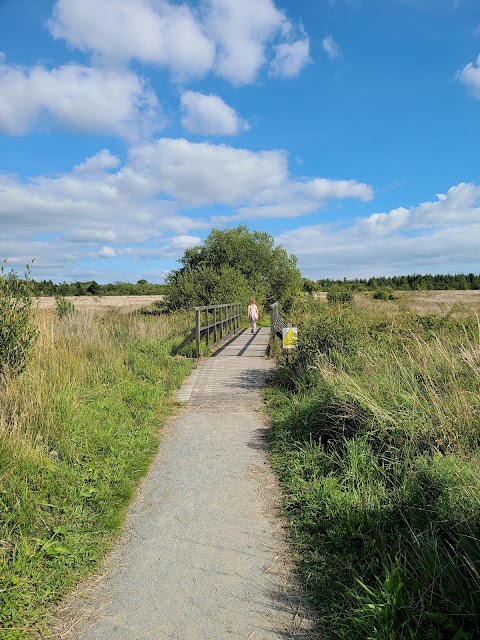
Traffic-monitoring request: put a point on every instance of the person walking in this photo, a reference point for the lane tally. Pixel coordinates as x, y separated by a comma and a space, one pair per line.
252, 314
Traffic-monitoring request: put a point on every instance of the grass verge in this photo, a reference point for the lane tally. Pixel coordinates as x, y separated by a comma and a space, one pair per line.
375, 436
78, 430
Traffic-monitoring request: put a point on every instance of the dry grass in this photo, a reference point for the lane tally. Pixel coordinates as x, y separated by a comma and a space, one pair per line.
427, 302
124, 304
421, 302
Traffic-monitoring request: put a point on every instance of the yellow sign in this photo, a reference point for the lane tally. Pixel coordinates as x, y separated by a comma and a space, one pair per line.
290, 337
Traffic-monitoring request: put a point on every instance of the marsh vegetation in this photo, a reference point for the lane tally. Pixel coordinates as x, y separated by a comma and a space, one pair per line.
375, 436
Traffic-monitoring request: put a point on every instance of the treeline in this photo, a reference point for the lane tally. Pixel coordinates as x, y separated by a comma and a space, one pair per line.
414, 282
92, 288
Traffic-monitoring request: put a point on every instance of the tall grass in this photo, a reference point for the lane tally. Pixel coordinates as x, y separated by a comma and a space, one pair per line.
375, 435
78, 429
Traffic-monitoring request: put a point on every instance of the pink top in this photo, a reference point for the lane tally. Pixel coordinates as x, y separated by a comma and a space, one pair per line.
253, 312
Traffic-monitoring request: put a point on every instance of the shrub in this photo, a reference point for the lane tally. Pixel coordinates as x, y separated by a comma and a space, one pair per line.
339, 296
64, 307
206, 285
333, 333
384, 294
17, 332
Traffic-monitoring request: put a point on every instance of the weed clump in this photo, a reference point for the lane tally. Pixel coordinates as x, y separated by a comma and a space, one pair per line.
340, 296
64, 307
384, 294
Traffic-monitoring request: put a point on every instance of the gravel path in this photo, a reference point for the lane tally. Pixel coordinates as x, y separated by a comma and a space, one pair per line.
203, 556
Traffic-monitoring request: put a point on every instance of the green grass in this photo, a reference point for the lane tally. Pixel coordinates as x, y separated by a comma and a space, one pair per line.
77, 432
375, 434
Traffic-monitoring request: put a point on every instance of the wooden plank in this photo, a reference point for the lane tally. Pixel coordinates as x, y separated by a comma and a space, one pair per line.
188, 339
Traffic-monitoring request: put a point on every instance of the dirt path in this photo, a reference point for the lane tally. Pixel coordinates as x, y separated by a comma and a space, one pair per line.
204, 555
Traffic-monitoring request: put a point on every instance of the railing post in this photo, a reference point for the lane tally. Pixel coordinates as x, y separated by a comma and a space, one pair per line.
197, 327
273, 319
207, 322
214, 324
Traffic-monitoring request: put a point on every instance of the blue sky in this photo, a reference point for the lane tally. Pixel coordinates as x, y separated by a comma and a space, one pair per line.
347, 129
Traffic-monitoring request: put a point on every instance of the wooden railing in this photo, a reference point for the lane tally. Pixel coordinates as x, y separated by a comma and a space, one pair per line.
213, 322
277, 321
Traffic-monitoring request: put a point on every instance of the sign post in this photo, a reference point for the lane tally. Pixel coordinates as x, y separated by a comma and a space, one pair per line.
290, 339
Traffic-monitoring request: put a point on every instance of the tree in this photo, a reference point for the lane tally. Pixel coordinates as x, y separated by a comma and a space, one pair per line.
93, 288
231, 265
18, 332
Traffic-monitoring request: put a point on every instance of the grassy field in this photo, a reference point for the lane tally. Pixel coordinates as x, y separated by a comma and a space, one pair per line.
101, 304
78, 430
375, 436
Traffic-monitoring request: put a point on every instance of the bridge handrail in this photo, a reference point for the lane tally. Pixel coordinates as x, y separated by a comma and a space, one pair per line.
228, 322
277, 321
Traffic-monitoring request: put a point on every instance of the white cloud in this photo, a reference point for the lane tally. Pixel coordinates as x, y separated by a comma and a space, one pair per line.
292, 208
455, 207
231, 38
201, 174
290, 58
175, 247
470, 76
89, 99
104, 208
242, 30
209, 115
439, 233
322, 189
107, 252
147, 30
331, 47
101, 160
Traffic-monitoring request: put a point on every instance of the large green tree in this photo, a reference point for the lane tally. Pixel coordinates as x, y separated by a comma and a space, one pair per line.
231, 265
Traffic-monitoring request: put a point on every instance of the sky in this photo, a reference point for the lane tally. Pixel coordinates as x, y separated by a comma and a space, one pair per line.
349, 130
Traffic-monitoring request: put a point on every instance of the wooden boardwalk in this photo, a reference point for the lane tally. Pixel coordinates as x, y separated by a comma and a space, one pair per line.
229, 377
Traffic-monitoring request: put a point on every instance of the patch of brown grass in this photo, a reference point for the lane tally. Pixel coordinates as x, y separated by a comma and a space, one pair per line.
102, 303
426, 302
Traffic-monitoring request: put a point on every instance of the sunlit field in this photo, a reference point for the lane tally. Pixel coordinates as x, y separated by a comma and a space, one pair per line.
124, 304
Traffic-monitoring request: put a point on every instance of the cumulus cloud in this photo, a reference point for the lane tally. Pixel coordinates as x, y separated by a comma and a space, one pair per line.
470, 77
147, 30
175, 247
290, 58
201, 174
230, 38
441, 233
115, 102
101, 160
322, 189
209, 115
457, 206
109, 209
331, 47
